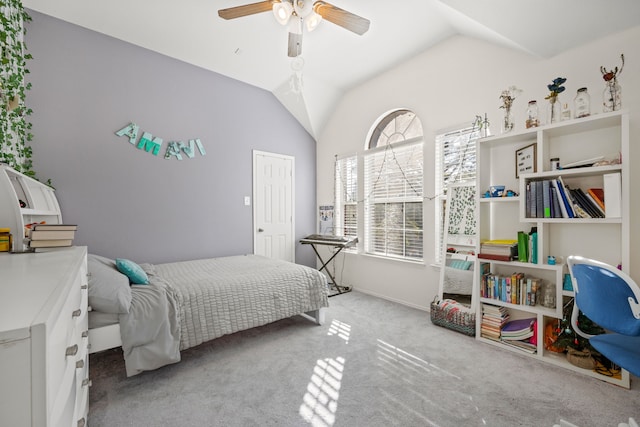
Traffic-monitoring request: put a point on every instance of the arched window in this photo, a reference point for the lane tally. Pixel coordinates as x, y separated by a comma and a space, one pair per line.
397, 126
393, 187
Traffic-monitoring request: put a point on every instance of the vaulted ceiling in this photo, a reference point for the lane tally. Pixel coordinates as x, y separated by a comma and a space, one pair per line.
253, 49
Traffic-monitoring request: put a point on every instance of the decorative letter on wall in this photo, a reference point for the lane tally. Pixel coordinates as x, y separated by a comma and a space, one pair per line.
150, 144
173, 149
131, 131
189, 150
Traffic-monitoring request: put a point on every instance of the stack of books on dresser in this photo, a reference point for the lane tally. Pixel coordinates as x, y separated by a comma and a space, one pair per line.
45, 237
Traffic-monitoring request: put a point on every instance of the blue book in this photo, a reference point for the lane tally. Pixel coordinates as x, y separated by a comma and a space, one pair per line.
565, 200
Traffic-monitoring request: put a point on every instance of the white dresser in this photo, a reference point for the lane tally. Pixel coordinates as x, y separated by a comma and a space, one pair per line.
44, 369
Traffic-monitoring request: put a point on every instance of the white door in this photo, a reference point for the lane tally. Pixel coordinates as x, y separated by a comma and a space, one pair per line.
273, 233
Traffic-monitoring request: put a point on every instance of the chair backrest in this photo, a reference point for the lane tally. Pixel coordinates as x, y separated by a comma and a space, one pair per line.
606, 295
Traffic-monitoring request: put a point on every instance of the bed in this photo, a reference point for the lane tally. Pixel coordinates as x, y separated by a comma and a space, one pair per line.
156, 310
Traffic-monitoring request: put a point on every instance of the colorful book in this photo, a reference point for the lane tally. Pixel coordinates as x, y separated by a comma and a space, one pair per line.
523, 246
546, 200
598, 196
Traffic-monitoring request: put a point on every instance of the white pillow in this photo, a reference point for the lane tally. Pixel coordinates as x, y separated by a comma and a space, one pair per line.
109, 290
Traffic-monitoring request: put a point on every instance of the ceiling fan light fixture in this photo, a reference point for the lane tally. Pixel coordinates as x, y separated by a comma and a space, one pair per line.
295, 25
282, 11
312, 21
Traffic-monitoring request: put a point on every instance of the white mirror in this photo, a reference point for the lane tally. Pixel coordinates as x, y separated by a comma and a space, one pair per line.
459, 244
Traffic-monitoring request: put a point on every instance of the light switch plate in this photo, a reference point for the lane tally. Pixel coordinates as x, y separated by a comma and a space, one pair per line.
247, 201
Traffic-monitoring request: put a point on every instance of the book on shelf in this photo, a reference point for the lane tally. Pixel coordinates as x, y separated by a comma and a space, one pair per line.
60, 227
493, 318
546, 200
518, 329
523, 246
502, 250
556, 211
584, 202
539, 199
521, 345
37, 234
612, 195
495, 257
565, 207
52, 243
578, 211
598, 196
595, 204
558, 198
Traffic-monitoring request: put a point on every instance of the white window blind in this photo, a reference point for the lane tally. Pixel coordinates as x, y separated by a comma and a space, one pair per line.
393, 201
346, 194
455, 162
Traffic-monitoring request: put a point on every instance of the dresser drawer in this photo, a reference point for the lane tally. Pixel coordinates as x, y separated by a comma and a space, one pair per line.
66, 344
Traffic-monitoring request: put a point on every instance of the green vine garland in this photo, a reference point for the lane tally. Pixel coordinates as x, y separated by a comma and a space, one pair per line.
15, 129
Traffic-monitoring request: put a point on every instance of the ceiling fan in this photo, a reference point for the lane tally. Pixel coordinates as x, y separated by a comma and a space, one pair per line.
296, 13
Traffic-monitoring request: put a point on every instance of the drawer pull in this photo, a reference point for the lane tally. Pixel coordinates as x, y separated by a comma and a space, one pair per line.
72, 351
86, 382
84, 287
85, 334
81, 422
76, 313
80, 364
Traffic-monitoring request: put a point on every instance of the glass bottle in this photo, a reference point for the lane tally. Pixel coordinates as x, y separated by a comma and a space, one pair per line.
582, 103
566, 112
554, 108
612, 96
507, 120
532, 115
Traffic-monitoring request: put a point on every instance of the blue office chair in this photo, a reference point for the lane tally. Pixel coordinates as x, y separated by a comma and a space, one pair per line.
610, 298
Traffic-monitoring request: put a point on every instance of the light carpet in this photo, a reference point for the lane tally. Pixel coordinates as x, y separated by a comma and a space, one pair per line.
373, 363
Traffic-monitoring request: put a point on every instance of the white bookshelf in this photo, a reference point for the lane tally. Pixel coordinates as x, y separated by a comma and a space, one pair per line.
39, 200
606, 239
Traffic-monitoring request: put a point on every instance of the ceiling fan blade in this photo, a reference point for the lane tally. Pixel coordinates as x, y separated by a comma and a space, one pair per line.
341, 17
247, 9
295, 44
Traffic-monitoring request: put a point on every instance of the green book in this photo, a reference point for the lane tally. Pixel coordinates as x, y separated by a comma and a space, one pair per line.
523, 246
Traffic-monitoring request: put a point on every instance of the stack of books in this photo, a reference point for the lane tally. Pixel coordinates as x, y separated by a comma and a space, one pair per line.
43, 237
493, 319
517, 333
501, 250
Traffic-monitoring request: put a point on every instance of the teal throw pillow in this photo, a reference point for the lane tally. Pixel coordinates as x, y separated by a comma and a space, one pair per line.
133, 271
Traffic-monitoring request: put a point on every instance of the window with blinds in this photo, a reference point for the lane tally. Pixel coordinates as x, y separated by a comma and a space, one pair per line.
393, 186
346, 191
455, 162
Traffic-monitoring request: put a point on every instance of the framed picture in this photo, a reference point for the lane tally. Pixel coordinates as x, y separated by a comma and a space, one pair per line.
526, 160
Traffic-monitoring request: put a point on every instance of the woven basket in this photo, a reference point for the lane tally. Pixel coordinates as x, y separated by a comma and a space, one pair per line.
581, 358
453, 315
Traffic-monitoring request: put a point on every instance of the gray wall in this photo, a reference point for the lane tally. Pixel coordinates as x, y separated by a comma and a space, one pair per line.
127, 202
